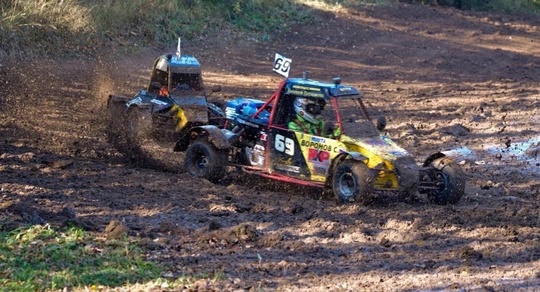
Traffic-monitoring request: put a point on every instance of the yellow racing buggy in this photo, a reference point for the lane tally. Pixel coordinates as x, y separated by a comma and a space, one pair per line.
351, 156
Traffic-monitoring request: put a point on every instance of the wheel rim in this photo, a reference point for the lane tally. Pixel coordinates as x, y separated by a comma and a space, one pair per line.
441, 181
201, 164
347, 185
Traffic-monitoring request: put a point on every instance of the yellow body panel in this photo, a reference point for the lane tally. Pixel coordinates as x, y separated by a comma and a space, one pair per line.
379, 154
318, 153
386, 177
180, 117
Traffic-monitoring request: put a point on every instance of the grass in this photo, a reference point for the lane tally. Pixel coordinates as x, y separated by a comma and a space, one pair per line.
82, 28
40, 258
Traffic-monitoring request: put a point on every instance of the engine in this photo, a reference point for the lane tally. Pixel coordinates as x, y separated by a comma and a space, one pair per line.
240, 114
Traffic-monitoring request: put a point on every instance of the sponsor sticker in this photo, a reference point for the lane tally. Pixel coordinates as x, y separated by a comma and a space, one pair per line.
157, 101
315, 155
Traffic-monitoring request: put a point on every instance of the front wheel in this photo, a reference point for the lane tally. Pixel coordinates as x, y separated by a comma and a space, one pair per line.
447, 181
352, 181
203, 160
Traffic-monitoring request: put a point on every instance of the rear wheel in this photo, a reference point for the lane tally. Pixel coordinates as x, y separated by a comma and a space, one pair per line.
203, 160
116, 118
448, 181
352, 182
140, 124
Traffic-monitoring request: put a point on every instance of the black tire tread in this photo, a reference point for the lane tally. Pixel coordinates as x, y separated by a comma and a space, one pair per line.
214, 170
363, 176
455, 188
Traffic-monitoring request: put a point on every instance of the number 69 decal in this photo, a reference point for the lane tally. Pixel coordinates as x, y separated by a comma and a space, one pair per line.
282, 65
284, 144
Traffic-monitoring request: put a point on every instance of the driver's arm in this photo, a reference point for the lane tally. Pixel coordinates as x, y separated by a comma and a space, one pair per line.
330, 130
294, 126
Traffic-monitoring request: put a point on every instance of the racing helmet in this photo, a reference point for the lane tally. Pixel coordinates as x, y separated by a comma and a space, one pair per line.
308, 109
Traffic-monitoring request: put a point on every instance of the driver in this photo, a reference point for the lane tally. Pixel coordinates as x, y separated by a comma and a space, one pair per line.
308, 120
164, 91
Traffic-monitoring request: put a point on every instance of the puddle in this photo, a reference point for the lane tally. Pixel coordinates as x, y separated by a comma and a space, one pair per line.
523, 156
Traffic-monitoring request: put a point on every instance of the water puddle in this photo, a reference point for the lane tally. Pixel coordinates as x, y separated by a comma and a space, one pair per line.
523, 155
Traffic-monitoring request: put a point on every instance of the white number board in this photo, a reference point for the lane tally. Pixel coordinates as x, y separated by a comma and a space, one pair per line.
282, 65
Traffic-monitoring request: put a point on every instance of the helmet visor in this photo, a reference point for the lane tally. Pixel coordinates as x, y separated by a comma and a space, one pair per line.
313, 108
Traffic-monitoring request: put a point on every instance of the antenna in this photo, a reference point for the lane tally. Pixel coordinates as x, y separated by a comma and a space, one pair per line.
178, 52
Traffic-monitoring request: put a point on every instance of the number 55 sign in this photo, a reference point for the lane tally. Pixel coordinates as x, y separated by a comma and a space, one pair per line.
282, 65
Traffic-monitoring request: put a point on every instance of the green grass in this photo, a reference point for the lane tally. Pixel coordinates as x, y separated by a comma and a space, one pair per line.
42, 258
163, 21
80, 28
516, 6
505, 6
39, 258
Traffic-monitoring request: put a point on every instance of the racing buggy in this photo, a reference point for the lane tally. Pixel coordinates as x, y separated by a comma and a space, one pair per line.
174, 100
352, 158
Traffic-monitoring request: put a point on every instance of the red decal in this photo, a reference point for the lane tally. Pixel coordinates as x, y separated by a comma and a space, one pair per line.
318, 155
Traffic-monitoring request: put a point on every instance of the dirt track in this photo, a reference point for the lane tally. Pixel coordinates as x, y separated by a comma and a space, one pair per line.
445, 79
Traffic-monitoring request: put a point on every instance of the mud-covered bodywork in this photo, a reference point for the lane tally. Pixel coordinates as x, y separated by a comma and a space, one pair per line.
172, 112
174, 100
354, 157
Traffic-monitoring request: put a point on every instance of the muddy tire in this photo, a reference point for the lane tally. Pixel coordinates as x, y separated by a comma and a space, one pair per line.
408, 179
449, 180
352, 182
139, 124
116, 119
203, 160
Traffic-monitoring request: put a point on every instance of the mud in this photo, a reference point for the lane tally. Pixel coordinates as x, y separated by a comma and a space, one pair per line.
445, 79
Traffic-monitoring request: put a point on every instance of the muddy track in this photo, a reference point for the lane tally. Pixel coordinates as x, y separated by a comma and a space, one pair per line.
445, 79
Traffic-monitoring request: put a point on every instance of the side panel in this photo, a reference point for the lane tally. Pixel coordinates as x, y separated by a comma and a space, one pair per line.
191, 109
149, 100
301, 155
285, 153
319, 152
